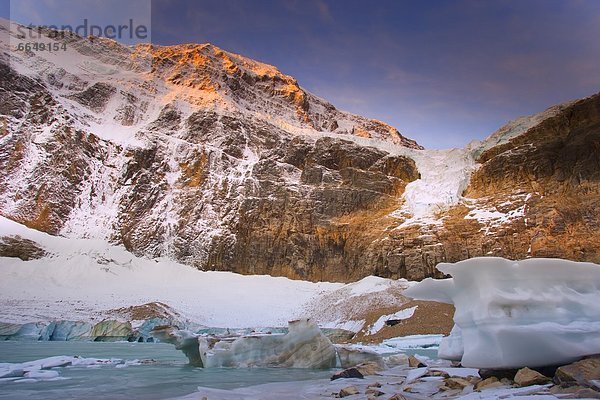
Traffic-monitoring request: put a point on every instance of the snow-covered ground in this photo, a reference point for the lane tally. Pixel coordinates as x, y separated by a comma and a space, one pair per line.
82, 279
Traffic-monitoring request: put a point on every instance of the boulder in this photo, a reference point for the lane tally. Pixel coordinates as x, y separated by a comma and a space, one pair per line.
488, 383
348, 391
582, 372
16, 246
414, 362
338, 335
373, 392
456, 383
528, 377
348, 373
485, 373
397, 396
369, 368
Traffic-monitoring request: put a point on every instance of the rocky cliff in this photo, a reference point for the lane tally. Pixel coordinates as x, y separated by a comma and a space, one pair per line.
225, 163
533, 192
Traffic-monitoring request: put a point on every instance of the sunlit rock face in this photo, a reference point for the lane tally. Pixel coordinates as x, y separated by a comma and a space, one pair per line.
304, 346
510, 314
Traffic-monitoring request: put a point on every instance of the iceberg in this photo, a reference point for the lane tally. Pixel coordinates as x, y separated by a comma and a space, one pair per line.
304, 346
511, 314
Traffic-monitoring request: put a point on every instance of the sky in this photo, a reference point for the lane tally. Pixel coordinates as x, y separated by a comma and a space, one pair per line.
442, 72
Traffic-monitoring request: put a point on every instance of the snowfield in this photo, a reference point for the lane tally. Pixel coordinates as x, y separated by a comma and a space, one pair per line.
83, 279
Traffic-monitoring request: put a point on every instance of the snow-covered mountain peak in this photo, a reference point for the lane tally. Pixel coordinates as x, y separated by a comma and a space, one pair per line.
132, 85
517, 127
200, 55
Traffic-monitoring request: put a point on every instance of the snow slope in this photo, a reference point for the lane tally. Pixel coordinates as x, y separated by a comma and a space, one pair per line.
83, 279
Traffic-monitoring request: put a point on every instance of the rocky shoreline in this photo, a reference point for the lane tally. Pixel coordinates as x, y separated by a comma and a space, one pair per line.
423, 378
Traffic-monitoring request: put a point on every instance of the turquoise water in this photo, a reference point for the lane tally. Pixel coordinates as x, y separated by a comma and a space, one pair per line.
167, 376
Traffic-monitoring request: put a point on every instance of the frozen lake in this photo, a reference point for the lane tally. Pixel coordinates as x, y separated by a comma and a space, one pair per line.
166, 376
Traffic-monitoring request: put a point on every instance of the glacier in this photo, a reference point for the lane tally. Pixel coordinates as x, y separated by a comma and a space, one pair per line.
511, 314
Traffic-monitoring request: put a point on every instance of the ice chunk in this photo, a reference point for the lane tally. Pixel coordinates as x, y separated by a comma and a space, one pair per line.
7, 330
9, 371
183, 340
511, 314
416, 373
41, 374
44, 369
351, 357
304, 346
451, 347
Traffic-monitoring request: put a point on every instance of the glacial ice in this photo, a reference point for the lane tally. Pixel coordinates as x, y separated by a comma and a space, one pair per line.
71, 330
104, 331
510, 314
304, 346
26, 332
43, 369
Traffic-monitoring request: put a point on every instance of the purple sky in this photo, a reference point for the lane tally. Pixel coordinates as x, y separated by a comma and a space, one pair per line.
442, 72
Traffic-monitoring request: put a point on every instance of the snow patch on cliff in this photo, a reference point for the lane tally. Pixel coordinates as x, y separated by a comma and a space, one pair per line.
400, 315
444, 176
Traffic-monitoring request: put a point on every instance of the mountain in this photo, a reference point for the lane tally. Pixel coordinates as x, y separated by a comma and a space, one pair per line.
225, 163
